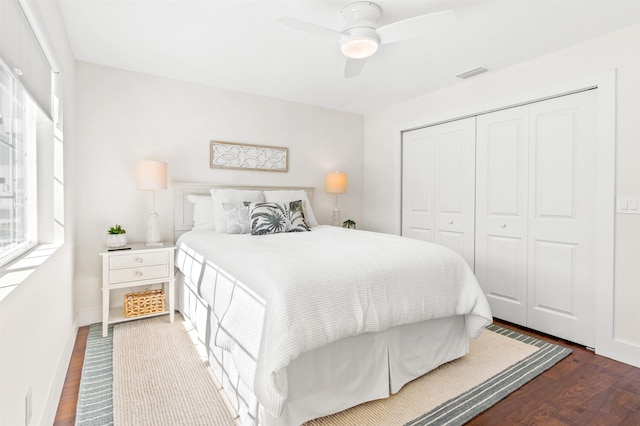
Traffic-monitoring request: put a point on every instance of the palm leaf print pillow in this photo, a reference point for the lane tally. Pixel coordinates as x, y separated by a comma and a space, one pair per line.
273, 218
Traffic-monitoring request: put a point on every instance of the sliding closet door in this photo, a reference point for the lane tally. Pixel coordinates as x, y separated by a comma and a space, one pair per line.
438, 198
418, 172
455, 183
562, 178
501, 211
535, 224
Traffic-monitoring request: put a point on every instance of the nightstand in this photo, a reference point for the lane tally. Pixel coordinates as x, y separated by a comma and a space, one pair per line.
138, 266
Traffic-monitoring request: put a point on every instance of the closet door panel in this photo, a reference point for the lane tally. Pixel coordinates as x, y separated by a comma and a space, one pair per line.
555, 271
501, 211
418, 171
438, 179
554, 154
454, 186
454, 240
503, 180
502, 269
562, 146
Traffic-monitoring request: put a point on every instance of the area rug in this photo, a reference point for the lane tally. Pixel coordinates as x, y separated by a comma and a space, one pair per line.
499, 362
95, 397
160, 379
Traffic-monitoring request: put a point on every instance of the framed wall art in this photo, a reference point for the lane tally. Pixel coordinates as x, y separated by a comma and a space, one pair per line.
238, 156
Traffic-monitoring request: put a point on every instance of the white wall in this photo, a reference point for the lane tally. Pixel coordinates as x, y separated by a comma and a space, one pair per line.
124, 117
620, 51
37, 328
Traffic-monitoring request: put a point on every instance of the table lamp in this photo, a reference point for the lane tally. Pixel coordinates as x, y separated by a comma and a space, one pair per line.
336, 184
152, 176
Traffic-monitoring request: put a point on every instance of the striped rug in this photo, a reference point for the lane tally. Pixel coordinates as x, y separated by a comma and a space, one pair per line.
467, 405
465, 398
95, 398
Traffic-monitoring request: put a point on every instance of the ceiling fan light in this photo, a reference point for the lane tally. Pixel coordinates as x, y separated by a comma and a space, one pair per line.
360, 47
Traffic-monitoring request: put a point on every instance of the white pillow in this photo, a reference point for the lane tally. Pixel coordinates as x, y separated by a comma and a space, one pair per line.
238, 218
293, 195
203, 217
231, 196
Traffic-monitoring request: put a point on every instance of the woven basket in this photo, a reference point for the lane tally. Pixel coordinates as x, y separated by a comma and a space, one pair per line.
143, 303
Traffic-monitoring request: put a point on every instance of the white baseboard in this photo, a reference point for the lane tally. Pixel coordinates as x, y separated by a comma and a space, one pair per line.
620, 351
88, 317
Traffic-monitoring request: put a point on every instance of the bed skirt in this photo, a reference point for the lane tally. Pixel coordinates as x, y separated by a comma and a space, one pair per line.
334, 377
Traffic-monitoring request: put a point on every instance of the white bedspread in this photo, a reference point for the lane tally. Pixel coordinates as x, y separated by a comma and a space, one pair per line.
277, 296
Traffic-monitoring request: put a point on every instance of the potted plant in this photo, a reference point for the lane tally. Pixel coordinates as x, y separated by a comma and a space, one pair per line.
116, 236
349, 224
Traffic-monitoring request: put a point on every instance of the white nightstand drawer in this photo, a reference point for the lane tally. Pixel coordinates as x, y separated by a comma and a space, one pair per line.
138, 259
138, 274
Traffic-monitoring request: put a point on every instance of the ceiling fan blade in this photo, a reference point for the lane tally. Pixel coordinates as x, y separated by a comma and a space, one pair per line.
353, 67
416, 26
310, 28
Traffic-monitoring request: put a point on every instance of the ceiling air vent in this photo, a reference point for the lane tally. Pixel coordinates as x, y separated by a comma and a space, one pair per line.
472, 72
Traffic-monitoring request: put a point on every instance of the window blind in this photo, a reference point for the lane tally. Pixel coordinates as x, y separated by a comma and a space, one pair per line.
22, 53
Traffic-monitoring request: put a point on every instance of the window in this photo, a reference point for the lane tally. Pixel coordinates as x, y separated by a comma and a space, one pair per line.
18, 178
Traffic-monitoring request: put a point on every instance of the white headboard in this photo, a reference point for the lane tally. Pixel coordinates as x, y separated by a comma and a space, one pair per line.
183, 208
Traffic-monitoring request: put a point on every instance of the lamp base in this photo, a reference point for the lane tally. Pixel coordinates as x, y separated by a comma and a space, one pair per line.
336, 218
153, 230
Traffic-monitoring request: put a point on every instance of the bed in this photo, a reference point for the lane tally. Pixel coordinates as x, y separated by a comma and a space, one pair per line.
299, 325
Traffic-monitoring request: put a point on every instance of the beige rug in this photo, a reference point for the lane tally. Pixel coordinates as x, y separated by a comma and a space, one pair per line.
159, 378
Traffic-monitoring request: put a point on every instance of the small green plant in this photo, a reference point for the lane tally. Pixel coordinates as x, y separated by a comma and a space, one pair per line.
349, 224
115, 230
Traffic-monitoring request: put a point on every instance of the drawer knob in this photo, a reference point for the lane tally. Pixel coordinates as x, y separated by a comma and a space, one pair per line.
139, 259
450, 222
504, 225
139, 273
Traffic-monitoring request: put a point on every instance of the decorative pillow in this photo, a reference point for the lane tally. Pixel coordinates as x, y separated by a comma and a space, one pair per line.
231, 196
292, 195
273, 218
203, 217
238, 221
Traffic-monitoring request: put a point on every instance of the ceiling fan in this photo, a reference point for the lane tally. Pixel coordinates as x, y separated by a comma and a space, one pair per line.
360, 35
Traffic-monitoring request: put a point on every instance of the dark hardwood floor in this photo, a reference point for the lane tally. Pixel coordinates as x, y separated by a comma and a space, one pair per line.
582, 389
66, 414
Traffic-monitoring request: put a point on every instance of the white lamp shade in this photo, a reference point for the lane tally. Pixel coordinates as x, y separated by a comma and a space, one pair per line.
336, 183
151, 175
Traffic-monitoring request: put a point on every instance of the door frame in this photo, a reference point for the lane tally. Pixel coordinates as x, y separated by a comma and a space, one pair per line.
605, 83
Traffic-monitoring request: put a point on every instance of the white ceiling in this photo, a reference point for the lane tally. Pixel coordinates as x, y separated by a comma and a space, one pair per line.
239, 45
